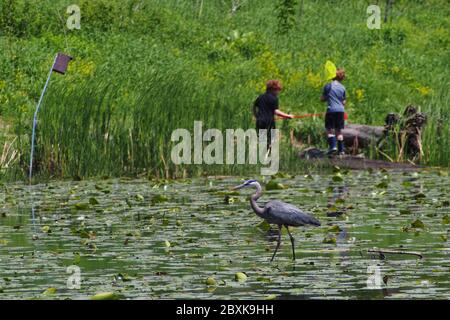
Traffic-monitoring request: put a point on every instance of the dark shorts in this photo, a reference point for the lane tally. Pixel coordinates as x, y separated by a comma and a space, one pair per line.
334, 120
265, 124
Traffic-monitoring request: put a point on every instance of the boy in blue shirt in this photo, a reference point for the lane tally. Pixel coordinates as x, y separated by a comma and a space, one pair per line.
334, 95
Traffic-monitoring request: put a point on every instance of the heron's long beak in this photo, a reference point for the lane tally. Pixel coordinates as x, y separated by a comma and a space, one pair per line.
239, 187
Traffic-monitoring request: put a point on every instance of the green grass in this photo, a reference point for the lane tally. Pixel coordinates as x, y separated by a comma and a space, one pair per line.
144, 68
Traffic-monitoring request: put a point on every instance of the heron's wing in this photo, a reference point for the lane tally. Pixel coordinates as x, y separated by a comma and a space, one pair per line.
284, 213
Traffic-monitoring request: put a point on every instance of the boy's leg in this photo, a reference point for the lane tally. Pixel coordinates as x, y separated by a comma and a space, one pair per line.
331, 142
329, 125
269, 138
340, 142
267, 135
340, 138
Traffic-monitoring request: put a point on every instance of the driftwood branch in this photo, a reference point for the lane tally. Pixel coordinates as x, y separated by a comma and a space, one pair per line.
382, 252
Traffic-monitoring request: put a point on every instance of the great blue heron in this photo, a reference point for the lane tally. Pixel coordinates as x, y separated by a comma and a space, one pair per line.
279, 213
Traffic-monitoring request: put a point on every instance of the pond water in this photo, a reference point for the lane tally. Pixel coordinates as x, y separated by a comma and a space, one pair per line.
146, 240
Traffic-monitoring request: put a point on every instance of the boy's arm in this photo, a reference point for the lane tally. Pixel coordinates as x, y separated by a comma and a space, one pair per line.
255, 107
283, 115
325, 92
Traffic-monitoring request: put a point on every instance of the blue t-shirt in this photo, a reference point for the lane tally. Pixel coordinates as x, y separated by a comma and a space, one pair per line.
334, 92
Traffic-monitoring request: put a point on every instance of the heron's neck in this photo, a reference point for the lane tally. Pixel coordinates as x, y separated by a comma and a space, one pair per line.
258, 210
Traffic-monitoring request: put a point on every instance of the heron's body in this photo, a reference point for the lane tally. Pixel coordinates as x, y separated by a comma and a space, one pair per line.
279, 213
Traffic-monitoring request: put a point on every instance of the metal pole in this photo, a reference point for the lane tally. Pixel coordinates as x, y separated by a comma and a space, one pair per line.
35, 118
33, 218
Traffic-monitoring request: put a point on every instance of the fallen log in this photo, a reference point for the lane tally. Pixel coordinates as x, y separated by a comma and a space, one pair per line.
361, 136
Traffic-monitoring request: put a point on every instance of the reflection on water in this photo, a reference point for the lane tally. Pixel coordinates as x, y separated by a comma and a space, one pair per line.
336, 199
150, 240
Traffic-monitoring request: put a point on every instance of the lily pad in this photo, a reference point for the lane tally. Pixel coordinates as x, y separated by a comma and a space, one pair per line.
93, 201
330, 240
106, 296
338, 177
281, 175
263, 225
240, 277
418, 224
263, 279
443, 173
82, 206
274, 185
159, 198
419, 195
335, 229
407, 184
229, 200
210, 281
139, 197
49, 291
382, 184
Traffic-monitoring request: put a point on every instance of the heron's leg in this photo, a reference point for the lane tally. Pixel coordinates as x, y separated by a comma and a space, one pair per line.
292, 242
278, 242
